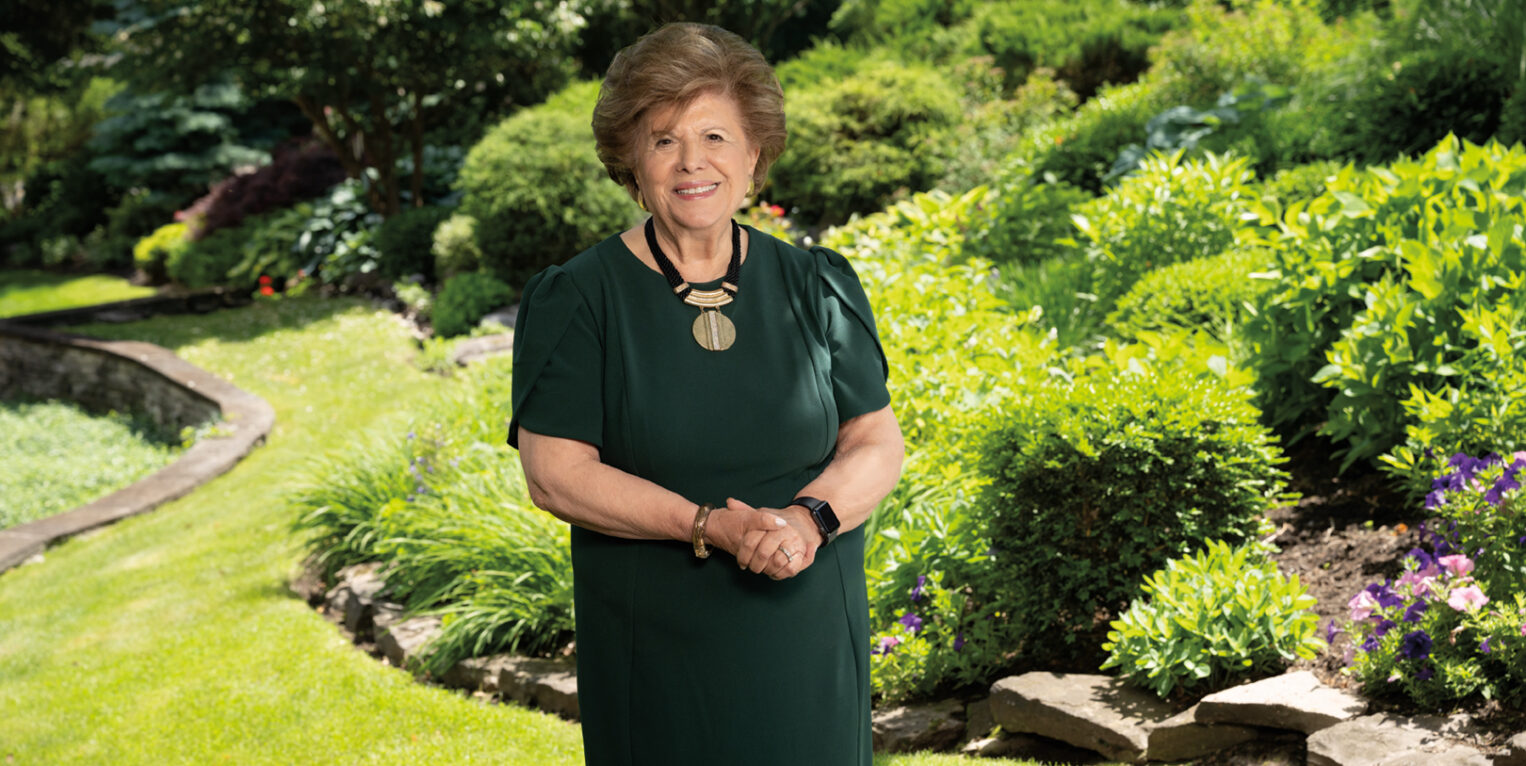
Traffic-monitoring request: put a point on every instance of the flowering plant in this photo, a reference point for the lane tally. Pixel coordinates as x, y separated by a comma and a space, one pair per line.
927, 644
1454, 623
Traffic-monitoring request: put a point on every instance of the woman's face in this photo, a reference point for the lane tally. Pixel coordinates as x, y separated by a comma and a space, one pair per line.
693, 164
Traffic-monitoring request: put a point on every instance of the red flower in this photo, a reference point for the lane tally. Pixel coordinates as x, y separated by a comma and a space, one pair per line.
267, 290
264, 280
778, 212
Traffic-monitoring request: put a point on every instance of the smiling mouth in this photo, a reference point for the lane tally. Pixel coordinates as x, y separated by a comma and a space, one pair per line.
697, 190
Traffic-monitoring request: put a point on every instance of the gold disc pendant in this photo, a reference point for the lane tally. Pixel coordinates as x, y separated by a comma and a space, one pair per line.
714, 331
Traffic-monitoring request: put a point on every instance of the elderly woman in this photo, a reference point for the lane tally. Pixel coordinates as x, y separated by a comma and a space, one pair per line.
706, 405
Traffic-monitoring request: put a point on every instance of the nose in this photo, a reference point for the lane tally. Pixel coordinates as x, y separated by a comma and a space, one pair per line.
692, 156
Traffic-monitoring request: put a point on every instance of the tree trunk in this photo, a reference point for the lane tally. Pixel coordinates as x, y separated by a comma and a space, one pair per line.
417, 136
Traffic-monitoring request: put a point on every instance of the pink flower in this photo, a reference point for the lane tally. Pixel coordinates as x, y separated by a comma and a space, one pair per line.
1467, 599
1458, 564
1523, 628
1419, 582
1362, 605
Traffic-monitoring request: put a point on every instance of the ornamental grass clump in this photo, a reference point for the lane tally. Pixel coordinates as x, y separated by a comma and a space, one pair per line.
1453, 625
1096, 482
1211, 618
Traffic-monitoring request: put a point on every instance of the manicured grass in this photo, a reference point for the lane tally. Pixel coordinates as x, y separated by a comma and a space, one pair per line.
57, 456
29, 291
172, 638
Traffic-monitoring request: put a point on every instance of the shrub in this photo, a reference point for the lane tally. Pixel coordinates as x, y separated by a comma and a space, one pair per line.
1215, 294
1028, 219
336, 239
405, 242
1098, 481
1425, 96
538, 192
207, 262
1169, 211
1088, 43
1395, 290
856, 143
994, 125
153, 251
455, 247
1208, 619
1080, 150
466, 298
299, 170
1299, 183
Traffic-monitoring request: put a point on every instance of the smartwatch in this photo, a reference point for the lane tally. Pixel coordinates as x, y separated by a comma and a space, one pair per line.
821, 513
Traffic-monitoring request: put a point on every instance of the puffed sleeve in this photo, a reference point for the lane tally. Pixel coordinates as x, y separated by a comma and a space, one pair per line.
859, 367
558, 362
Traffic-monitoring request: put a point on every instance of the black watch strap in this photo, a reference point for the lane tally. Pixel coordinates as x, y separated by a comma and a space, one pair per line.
821, 513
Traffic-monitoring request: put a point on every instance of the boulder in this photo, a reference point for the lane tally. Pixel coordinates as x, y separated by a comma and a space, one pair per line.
935, 726
1514, 753
401, 641
1094, 712
476, 673
978, 723
467, 351
1182, 738
551, 685
1291, 701
1029, 747
350, 599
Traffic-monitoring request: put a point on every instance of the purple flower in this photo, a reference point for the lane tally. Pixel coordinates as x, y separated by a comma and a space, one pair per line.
1416, 645
959, 641
1434, 499
886, 644
916, 590
1484, 647
1422, 558
1371, 644
1415, 611
912, 622
1331, 631
1384, 595
1425, 674
1383, 627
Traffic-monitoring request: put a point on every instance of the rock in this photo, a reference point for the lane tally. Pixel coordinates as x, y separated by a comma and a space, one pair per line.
476, 673
505, 316
384, 614
557, 693
978, 723
350, 600
471, 350
400, 642
1515, 752
308, 585
1029, 747
936, 726
1290, 701
1182, 738
548, 684
1379, 740
1094, 712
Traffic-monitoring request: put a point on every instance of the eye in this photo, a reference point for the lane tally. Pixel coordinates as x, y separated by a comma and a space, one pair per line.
716, 138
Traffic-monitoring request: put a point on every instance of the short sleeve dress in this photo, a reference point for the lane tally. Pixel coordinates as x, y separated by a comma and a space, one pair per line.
682, 660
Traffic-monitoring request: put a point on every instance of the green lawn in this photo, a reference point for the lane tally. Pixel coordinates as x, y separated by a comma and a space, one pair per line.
45, 470
29, 291
171, 637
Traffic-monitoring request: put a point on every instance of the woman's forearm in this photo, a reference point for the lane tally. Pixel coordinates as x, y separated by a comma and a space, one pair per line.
567, 479
865, 469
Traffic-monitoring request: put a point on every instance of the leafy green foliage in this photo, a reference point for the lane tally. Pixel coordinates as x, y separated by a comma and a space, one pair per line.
455, 246
857, 142
994, 124
298, 170
1210, 618
1427, 95
153, 251
1169, 211
1088, 43
466, 298
1398, 291
1028, 219
538, 191
405, 242
1215, 294
1097, 481
1080, 150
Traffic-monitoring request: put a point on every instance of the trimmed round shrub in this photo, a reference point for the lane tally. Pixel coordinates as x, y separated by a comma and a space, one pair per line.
455, 247
539, 193
1028, 219
1089, 42
858, 142
207, 261
153, 251
1096, 483
1081, 149
1427, 95
465, 299
1207, 293
405, 242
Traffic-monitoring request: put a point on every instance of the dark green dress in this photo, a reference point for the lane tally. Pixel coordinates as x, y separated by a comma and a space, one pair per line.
689, 661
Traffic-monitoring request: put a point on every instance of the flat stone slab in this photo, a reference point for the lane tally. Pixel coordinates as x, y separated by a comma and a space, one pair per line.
468, 351
476, 673
551, 685
1295, 701
1182, 738
1094, 712
1515, 752
400, 642
935, 726
1387, 740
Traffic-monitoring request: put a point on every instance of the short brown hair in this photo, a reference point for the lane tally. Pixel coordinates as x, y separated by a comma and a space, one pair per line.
672, 66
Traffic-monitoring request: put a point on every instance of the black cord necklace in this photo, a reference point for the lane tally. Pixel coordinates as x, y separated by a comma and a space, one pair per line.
712, 329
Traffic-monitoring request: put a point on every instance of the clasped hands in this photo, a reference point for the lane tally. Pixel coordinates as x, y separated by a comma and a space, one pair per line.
778, 542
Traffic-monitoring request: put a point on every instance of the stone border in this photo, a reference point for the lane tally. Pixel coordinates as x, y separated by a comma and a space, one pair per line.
247, 419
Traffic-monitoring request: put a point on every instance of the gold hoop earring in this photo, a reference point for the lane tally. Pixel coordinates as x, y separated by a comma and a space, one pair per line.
751, 187
641, 202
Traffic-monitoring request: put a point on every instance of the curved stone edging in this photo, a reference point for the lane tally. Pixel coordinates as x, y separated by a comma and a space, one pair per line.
31, 360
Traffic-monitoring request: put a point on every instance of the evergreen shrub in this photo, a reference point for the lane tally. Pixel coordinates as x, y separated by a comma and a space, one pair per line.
1097, 482
1027, 219
153, 251
466, 298
405, 242
538, 191
1088, 42
858, 142
455, 247
1215, 294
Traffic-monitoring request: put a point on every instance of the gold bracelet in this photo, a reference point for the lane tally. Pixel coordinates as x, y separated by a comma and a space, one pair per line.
701, 516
